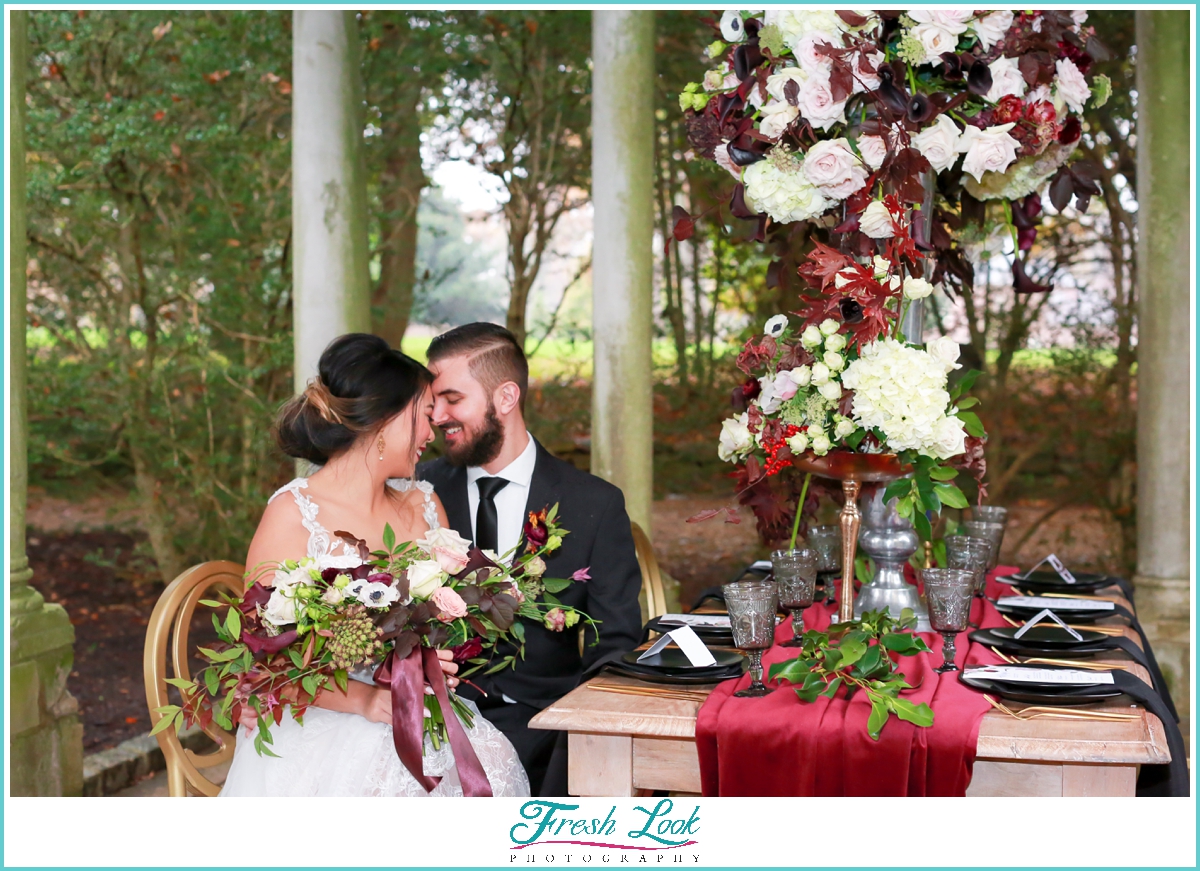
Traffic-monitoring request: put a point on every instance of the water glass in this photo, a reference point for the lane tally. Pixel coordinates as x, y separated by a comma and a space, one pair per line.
991, 530
948, 597
972, 554
752, 606
826, 540
796, 578
990, 513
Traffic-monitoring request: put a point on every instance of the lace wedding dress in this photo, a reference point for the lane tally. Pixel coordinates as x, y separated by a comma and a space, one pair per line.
337, 754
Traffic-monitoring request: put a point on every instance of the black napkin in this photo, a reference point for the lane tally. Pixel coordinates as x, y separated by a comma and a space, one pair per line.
1158, 780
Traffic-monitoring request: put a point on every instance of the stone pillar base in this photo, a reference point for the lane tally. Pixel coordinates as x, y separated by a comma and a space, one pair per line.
1164, 610
46, 751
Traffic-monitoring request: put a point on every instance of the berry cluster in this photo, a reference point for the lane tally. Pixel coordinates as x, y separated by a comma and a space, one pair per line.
774, 464
355, 639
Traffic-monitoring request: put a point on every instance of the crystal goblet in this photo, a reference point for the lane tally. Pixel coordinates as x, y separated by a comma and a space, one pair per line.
752, 606
989, 529
990, 513
972, 554
826, 540
796, 578
948, 597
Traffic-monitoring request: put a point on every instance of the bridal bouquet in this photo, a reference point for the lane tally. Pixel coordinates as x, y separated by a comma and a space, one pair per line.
821, 114
323, 618
844, 379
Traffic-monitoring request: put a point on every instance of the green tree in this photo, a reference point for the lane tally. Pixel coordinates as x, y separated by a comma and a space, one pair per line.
159, 226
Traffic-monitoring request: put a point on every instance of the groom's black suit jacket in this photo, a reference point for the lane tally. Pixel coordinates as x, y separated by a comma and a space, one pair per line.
593, 511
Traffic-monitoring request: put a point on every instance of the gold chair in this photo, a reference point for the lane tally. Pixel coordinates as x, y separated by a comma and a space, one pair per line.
652, 584
168, 629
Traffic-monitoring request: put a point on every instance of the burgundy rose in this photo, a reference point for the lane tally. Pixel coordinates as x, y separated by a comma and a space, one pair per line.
467, 650
536, 533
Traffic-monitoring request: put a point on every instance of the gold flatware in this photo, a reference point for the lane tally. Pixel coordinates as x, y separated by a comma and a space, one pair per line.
1074, 663
1036, 712
623, 689
1115, 601
1114, 631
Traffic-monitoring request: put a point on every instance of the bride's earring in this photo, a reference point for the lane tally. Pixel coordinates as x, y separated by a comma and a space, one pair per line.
380, 444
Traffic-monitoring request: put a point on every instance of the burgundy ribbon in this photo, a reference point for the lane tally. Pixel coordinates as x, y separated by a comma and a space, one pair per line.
407, 683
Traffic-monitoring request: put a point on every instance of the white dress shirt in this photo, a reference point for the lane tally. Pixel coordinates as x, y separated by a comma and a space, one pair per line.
510, 502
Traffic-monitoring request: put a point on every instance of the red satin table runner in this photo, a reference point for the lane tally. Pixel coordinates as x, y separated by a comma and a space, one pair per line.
779, 745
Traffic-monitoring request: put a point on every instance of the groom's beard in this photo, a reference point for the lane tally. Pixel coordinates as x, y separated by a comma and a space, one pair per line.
476, 448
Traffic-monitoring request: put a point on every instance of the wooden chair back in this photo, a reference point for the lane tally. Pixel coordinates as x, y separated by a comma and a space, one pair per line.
652, 584
168, 631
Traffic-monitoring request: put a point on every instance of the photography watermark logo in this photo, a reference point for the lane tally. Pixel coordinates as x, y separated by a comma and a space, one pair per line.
658, 835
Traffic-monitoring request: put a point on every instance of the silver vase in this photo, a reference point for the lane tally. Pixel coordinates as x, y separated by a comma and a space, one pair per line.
889, 540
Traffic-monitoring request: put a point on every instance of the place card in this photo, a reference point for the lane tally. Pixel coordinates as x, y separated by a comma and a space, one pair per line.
1045, 614
1056, 564
1024, 674
703, 621
762, 565
1055, 604
689, 642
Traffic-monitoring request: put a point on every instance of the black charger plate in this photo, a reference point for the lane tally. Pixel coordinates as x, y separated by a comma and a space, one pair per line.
1045, 635
654, 675
674, 660
1044, 694
1050, 582
1019, 647
707, 634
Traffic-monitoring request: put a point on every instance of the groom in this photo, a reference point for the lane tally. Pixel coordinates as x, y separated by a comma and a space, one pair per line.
493, 473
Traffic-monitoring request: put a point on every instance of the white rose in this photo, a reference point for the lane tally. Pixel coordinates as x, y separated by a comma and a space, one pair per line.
836, 342
777, 82
873, 150
945, 351
1006, 79
868, 81
829, 326
949, 438
1071, 85
831, 390
332, 596
991, 150
938, 143
821, 444
991, 28
820, 374
1079, 16
802, 376
769, 399
775, 117
817, 104
881, 266
805, 51
785, 385
811, 337
833, 360
732, 29
935, 39
775, 326
894, 282
425, 576
281, 608
798, 443
876, 221
833, 167
917, 288
289, 580
844, 277
444, 538
843, 428
955, 21
735, 439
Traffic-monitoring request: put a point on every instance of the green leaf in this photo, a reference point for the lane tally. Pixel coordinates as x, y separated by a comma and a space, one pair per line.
921, 522
852, 651
211, 680
943, 473
341, 679
899, 487
162, 725
920, 715
968, 402
855, 438
862, 569
556, 585
939, 552
223, 655
950, 495
971, 423
792, 670
871, 662
309, 682
389, 537
831, 690
898, 642
233, 622
878, 718
210, 603
965, 383
180, 682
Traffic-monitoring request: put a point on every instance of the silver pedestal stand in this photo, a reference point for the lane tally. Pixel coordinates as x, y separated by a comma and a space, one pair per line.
890, 540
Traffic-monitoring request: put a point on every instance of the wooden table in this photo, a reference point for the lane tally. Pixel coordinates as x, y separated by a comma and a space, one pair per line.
620, 744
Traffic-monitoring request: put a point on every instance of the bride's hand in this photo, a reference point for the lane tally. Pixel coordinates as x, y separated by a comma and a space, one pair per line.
449, 666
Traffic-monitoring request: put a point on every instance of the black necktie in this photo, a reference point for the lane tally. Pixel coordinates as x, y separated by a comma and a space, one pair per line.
485, 515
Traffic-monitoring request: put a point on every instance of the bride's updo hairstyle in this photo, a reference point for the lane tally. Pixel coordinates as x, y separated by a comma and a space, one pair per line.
363, 383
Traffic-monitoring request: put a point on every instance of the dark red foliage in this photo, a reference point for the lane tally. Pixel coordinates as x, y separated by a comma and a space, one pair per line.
754, 356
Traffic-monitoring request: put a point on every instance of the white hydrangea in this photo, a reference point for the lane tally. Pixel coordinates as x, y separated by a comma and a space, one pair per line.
902, 392
1022, 178
786, 196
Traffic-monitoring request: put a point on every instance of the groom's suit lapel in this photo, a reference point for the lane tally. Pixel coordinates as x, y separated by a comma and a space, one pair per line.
543, 488
455, 501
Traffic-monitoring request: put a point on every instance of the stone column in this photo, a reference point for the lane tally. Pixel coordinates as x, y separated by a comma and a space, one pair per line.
329, 198
1164, 396
46, 753
622, 196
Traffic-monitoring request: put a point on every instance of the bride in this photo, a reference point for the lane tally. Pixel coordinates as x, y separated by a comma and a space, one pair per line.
365, 419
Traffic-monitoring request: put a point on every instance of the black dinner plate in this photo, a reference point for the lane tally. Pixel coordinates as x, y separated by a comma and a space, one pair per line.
1019, 647
1085, 582
672, 659
707, 634
696, 675
1045, 635
1068, 615
1038, 693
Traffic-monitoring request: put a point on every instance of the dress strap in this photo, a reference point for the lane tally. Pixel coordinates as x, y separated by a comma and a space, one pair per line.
429, 511
320, 542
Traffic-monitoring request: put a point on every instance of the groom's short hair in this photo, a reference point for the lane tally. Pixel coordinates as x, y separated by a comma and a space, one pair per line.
495, 355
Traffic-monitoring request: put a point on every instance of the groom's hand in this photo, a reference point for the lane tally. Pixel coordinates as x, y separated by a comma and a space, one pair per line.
449, 666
